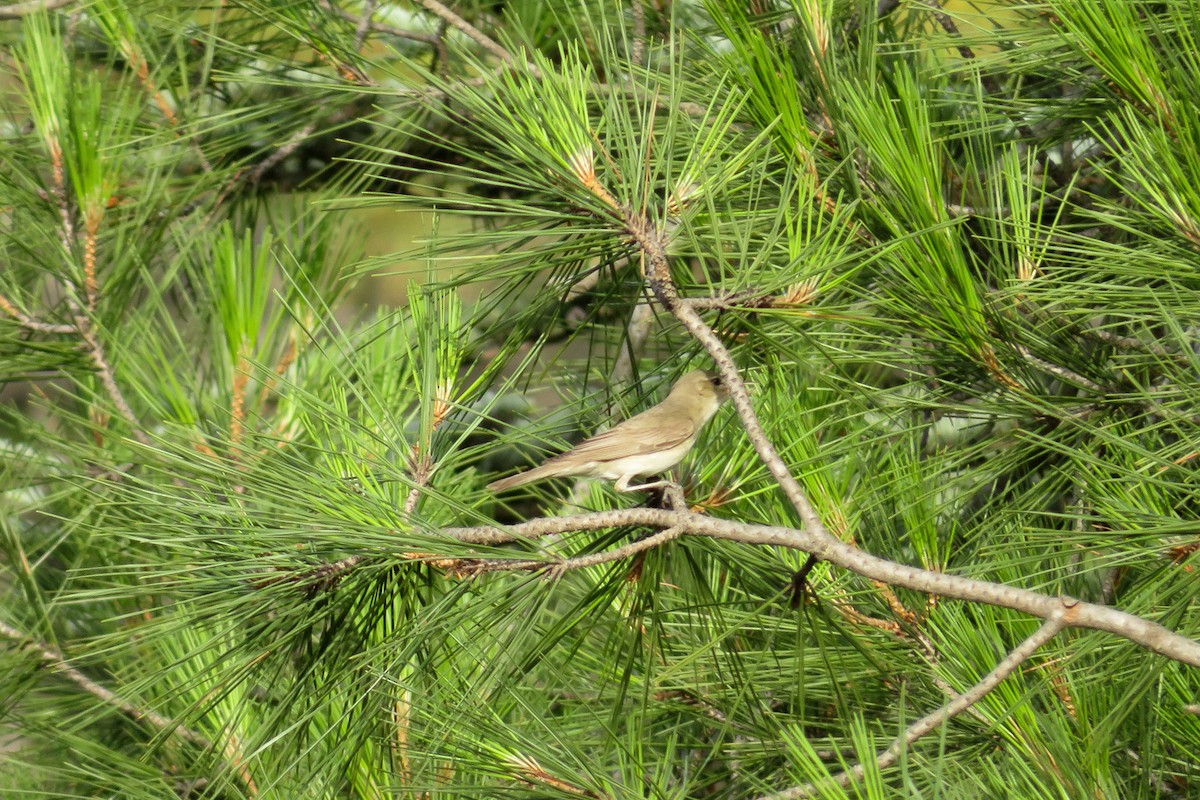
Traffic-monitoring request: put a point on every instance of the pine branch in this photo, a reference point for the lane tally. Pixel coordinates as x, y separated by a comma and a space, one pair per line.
56, 661
931, 722
658, 276
556, 569
31, 324
1071, 611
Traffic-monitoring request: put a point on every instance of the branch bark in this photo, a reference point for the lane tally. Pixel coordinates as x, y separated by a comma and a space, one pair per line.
1072, 612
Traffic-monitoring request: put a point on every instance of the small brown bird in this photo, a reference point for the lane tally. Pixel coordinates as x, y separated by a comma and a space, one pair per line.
646, 444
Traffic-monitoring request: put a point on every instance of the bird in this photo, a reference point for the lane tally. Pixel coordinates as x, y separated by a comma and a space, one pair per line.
648, 443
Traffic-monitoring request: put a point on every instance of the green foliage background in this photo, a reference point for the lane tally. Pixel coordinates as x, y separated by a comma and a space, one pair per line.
958, 255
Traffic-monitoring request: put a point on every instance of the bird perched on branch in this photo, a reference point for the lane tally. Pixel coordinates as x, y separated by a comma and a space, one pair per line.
646, 444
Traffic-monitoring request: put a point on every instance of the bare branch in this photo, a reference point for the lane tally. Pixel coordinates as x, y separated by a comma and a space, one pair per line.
18, 10
480, 38
1059, 372
1072, 612
286, 149
364, 24
933, 721
727, 301
814, 538
641, 320
378, 27
585, 284
421, 469
57, 662
329, 574
638, 11
949, 27
1133, 343
799, 295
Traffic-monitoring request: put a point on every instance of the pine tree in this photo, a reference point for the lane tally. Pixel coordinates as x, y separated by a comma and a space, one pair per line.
945, 258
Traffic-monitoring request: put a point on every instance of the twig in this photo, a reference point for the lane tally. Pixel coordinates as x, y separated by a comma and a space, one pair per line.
988, 81
378, 27
532, 773
441, 51
481, 38
29, 323
18, 10
689, 699
141, 68
237, 399
1124, 342
83, 323
281, 367
658, 275
934, 658
420, 462
286, 149
50, 657
105, 372
253, 176
1059, 372
960, 210
636, 333
421, 469
638, 12
56, 661
584, 285
328, 575
799, 294
1134, 343
933, 721
1072, 612
674, 498
949, 27
364, 24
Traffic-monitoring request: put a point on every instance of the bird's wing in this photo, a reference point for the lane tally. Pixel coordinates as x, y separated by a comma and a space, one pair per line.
633, 437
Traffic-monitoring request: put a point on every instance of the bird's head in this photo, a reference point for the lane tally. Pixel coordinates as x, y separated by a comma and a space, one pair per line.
700, 386
717, 383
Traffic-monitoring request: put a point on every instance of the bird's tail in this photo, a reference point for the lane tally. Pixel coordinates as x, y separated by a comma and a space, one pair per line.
521, 478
